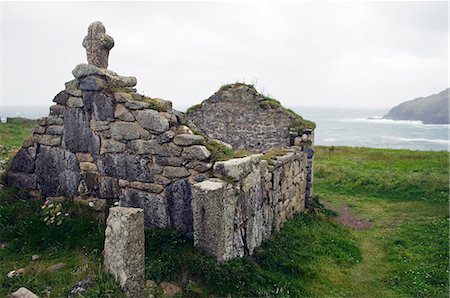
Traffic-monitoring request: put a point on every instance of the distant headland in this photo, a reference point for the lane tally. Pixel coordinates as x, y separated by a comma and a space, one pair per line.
430, 110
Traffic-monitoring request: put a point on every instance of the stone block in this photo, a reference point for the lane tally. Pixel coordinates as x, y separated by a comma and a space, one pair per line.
75, 102
112, 146
22, 293
124, 166
78, 136
57, 172
196, 152
179, 198
61, 98
188, 140
128, 131
152, 120
72, 88
123, 113
124, 253
154, 205
175, 172
236, 168
214, 208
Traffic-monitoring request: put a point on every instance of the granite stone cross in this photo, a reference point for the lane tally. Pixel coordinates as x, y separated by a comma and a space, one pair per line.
97, 44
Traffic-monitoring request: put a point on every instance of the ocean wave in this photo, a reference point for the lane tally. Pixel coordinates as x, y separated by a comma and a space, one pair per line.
436, 141
379, 120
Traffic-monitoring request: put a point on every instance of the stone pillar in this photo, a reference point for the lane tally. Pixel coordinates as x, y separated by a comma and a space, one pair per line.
213, 208
124, 249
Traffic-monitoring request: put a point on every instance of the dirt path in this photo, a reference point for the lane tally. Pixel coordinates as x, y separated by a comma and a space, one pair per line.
347, 218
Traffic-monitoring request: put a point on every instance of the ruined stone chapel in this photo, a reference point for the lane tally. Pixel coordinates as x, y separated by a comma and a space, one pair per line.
104, 141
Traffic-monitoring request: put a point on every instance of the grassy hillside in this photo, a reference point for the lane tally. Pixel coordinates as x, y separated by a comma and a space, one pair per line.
403, 253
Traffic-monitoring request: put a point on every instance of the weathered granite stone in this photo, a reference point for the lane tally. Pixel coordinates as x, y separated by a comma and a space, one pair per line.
124, 166
61, 98
151, 187
57, 172
124, 253
213, 208
154, 205
97, 44
166, 137
161, 179
151, 120
78, 136
84, 157
81, 287
22, 162
109, 188
55, 130
175, 172
39, 129
49, 140
199, 166
168, 161
236, 168
146, 147
99, 126
123, 114
72, 88
22, 293
21, 180
54, 120
84, 70
188, 139
103, 107
112, 146
122, 97
121, 130
75, 102
197, 152
88, 166
136, 105
92, 83
179, 197
57, 110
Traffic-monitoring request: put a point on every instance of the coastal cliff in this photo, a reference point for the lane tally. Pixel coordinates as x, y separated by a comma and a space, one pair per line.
430, 110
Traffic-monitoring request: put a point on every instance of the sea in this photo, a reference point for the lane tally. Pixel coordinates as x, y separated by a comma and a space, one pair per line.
355, 127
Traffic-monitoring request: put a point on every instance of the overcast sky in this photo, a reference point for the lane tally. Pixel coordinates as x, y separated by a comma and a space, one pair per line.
348, 54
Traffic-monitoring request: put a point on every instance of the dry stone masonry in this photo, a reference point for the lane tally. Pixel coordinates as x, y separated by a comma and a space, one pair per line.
232, 218
104, 141
237, 114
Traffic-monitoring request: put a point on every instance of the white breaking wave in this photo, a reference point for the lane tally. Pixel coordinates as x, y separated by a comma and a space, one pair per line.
380, 120
436, 141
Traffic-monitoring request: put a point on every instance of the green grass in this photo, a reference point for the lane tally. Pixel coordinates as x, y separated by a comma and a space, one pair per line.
390, 174
405, 195
15, 131
78, 243
283, 265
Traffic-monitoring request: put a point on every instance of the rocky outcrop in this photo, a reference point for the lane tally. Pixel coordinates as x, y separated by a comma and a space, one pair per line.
433, 109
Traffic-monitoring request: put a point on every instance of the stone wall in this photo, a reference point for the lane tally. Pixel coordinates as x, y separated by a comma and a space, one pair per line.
104, 140
253, 199
237, 114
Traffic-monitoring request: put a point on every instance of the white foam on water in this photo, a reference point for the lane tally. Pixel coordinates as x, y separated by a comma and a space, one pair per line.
380, 120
